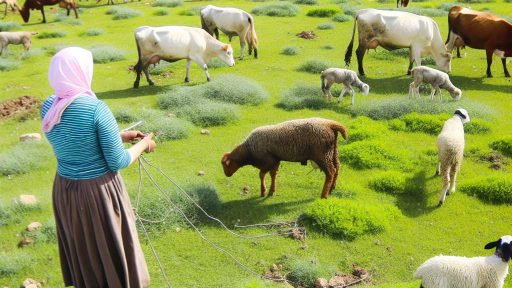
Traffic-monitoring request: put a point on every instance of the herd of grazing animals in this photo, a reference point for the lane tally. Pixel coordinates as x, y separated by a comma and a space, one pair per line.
315, 139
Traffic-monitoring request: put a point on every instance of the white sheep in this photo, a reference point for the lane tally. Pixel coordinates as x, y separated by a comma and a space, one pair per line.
436, 78
20, 37
450, 144
12, 4
347, 77
461, 272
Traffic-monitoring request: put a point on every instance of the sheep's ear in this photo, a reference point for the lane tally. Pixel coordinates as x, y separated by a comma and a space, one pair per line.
493, 244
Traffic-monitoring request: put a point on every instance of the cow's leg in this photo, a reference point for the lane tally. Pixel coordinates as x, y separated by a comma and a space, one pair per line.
146, 72
5, 13
76, 13
489, 53
273, 175
242, 47
360, 55
205, 68
263, 187
42, 12
67, 11
216, 32
187, 75
504, 62
138, 71
458, 52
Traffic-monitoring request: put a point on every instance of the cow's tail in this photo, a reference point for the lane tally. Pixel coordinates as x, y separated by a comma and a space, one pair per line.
337, 127
203, 24
348, 53
449, 30
253, 38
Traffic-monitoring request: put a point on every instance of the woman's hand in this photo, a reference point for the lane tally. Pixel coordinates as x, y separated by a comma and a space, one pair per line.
151, 144
130, 136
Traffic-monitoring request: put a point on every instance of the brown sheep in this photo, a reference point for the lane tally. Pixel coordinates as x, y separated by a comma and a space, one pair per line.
299, 140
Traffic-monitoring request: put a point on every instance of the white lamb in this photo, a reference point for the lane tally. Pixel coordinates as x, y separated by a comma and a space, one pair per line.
461, 272
12, 4
347, 77
436, 78
20, 37
450, 144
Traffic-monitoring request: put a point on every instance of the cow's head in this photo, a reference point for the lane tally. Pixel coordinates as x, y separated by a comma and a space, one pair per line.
226, 54
25, 14
444, 61
229, 166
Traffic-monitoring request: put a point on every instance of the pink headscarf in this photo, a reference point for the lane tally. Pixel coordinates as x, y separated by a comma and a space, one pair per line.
70, 76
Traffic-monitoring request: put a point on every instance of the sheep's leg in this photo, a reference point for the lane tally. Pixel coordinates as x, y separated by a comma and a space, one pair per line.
216, 32
342, 93
336, 163
273, 175
76, 13
262, 183
453, 178
329, 177
446, 183
504, 62
5, 13
458, 52
411, 90
353, 93
438, 169
187, 73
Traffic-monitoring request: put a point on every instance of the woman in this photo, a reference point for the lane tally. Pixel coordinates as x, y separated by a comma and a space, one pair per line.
96, 231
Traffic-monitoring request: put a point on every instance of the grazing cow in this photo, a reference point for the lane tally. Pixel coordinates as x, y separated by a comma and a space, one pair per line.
19, 37
403, 3
395, 29
233, 22
480, 30
12, 4
39, 5
173, 43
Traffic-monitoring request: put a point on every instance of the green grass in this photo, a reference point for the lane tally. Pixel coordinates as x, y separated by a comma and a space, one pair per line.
503, 145
391, 255
290, 50
306, 2
106, 54
167, 3
342, 18
326, 26
94, 32
8, 26
314, 66
281, 9
194, 11
121, 13
322, 12
494, 189
52, 34
372, 154
8, 64
391, 182
23, 157
161, 12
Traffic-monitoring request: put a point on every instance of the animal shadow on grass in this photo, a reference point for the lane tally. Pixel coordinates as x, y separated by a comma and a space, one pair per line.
132, 92
414, 201
472, 83
254, 211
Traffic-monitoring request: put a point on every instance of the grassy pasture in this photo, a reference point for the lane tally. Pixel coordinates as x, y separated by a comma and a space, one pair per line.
461, 227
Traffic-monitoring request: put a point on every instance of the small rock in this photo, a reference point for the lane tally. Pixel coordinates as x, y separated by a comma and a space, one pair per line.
27, 200
200, 173
205, 132
31, 283
34, 226
25, 242
30, 137
337, 281
377, 242
178, 229
245, 190
389, 248
321, 283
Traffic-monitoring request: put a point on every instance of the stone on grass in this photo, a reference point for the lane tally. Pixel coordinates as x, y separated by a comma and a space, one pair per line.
321, 283
26, 241
30, 137
27, 200
34, 226
31, 283
205, 132
200, 173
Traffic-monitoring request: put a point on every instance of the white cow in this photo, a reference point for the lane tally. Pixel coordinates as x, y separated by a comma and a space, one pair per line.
395, 29
173, 43
233, 22
10, 4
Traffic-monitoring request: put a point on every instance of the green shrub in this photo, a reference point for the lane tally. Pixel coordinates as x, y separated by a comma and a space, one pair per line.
391, 182
13, 262
503, 145
165, 127
314, 66
303, 273
161, 12
194, 11
159, 68
290, 50
429, 12
8, 64
447, 5
123, 13
325, 26
364, 128
430, 124
167, 3
495, 189
350, 10
234, 89
53, 34
217, 63
59, 17
8, 26
106, 54
46, 234
306, 2
371, 154
178, 98
23, 157
210, 113
347, 218
476, 1
302, 97
280, 9
34, 52
342, 18
327, 47
125, 116
477, 126
322, 12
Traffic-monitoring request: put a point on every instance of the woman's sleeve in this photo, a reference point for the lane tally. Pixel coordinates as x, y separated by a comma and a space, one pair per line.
110, 140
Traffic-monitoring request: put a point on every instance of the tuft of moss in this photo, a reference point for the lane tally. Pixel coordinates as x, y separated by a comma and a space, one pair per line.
53, 34
306, 2
280, 9
364, 128
161, 12
342, 18
503, 145
390, 182
106, 54
326, 26
494, 189
167, 3
8, 26
230, 88
370, 155
349, 219
125, 116
290, 50
9, 65
194, 11
323, 12
120, 13
314, 66
93, 32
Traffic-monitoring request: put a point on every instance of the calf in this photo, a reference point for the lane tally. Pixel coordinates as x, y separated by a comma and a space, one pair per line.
173, 43
20, 37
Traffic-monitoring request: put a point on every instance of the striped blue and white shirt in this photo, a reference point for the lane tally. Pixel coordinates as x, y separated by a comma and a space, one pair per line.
86, 142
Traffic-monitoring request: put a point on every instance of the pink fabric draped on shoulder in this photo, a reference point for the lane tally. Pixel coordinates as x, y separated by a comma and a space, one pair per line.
70, 76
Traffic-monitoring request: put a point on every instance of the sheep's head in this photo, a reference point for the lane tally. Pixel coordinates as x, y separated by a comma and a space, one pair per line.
229, 166
456, 94
463, 114
365, 89
503, 247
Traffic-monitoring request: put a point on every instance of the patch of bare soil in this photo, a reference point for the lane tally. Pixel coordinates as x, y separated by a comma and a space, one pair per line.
22, 104
496, 159
306, 35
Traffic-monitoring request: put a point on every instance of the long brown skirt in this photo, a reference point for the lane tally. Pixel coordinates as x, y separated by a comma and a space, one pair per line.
98, 241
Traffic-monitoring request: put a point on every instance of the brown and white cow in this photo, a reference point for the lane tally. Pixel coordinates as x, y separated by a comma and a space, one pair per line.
395, 29
173, 43
480, 30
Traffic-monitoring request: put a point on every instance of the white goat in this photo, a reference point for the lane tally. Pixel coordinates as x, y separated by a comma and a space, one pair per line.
450, 144
347, 77
12, 4
20, 37
461, 272
436, 78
